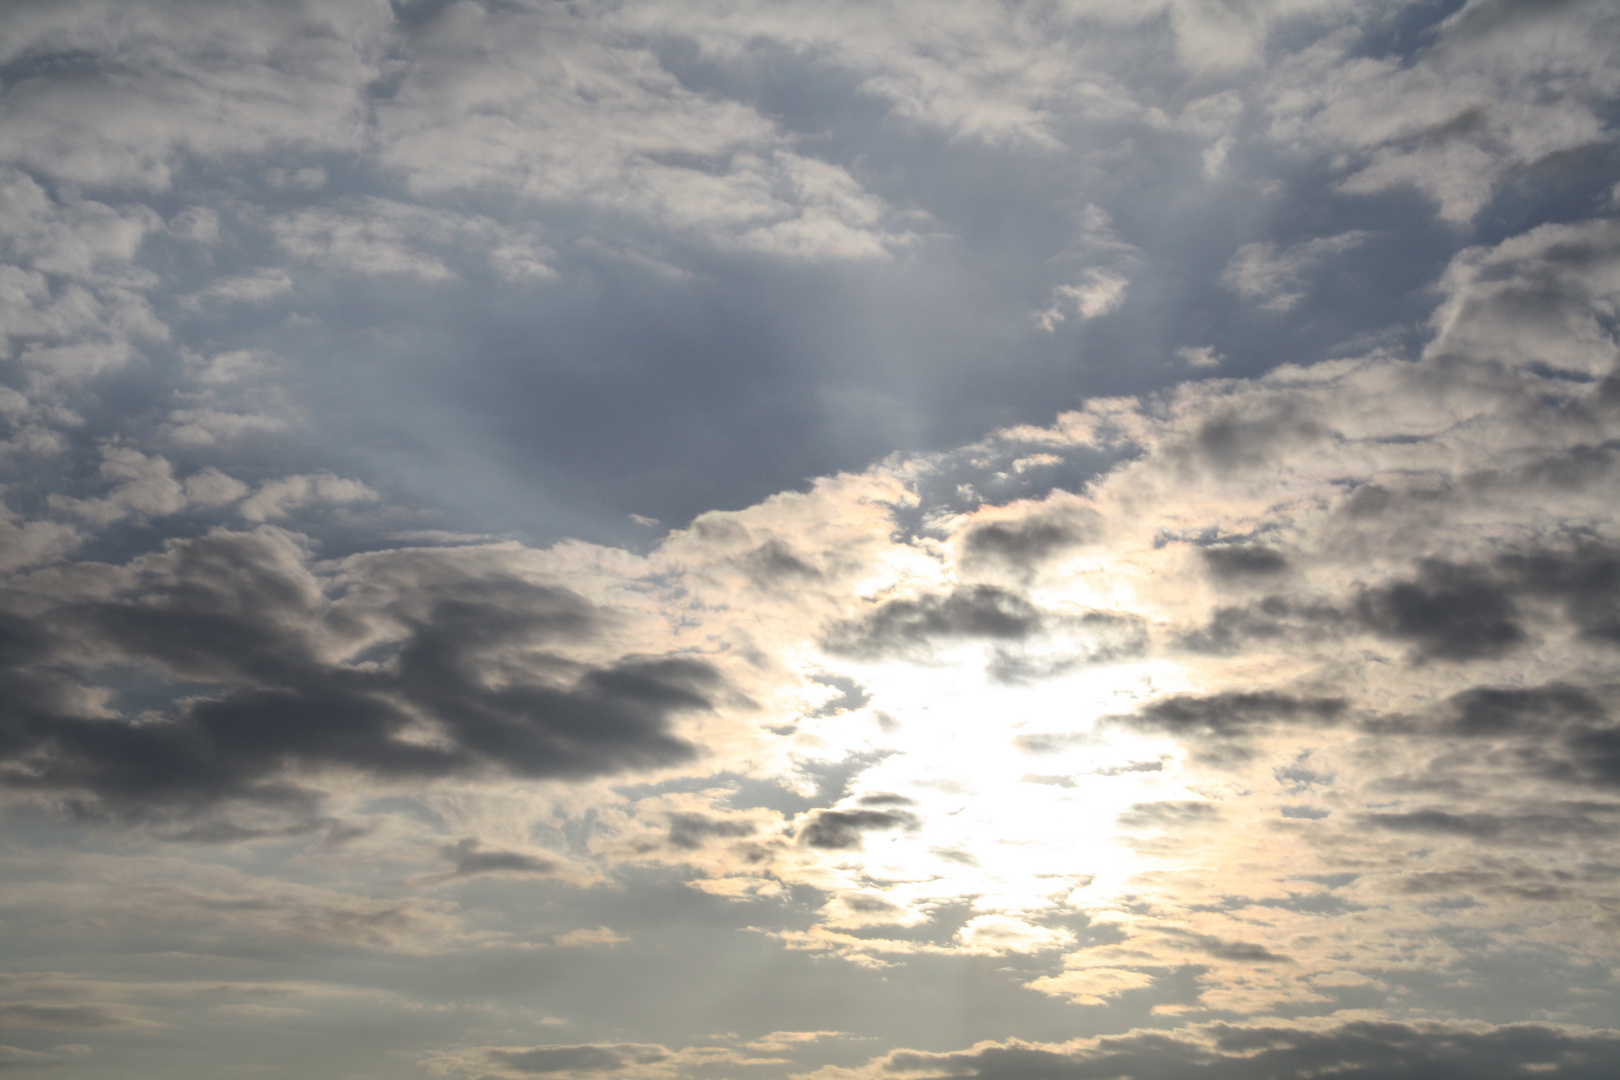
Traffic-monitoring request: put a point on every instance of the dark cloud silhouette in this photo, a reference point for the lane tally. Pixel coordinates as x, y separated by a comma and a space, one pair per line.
1562, 731
1233, 627
852, 695
1477, 826
1549, 823
1239, 561
1021, 545
1167, 815
885, 799
236, 616
690, 831
588, 1058
776, 565
1232, 715
1586, 579
1492, 710
1232, 440
900, 628
1364, 1050
1094, 637
912, 629
838, 830
1242, 952
1450, 612
470, 857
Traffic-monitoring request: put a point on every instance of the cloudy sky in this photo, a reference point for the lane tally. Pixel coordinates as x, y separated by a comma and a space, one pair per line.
854, 540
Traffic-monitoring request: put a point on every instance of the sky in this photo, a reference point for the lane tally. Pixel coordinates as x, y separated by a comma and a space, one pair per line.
882, 540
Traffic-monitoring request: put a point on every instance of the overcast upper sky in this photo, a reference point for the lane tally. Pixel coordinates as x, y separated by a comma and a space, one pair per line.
882, 540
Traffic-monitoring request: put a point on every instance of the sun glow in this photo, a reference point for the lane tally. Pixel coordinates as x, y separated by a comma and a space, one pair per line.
1002, 795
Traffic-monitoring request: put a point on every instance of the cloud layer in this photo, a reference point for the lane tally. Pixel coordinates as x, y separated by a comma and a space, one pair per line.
1195, 653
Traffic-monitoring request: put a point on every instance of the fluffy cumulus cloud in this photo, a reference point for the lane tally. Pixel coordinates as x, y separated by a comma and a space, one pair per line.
1194, 653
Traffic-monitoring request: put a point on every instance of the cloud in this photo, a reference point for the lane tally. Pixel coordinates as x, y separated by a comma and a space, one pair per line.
1449, 613
1318, 659
154, 84
1364, 1050
470, 857
559, 111
903, 627
146, 487
1098, 293
1026, 537
275, 499
243, 612
838, 830
1200, 356
47, 1016
385, 237
1234, 714
1239, 561
1275, 280
1505, 86
255, 288
691, 831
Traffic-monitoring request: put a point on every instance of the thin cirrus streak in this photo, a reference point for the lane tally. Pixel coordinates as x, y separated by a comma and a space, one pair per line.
1241, 703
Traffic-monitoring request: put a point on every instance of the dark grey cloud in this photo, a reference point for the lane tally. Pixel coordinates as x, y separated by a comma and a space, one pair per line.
1233, 439
1585, 578
1241, 561
1450, 612
1232, 628
233, 618
55, 1016
1168, 815
1233, 715
912, 629
1560, 730
775, 565
1548, 825
691, 831
838, 830
851, 695
885, 799
1362, 1051
1446, 611
908, 628
1021, 545
1492, 710
1242, 952
469, 857
588, 1058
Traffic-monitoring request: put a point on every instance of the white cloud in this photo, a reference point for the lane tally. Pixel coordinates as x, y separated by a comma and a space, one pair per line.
210, 487
255, 288
275, 499
1504, 87
1097, 293
210, 427
1275, 280
167, 81
546, 104
386, 237
1200, 356
145, 487
71, 292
